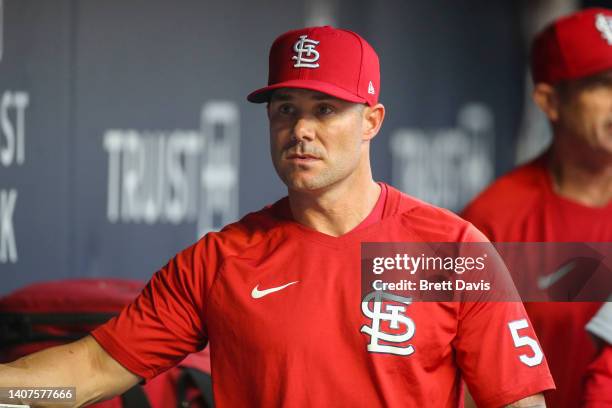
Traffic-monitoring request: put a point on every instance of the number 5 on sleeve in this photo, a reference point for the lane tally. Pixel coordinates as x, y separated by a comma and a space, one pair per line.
520, 341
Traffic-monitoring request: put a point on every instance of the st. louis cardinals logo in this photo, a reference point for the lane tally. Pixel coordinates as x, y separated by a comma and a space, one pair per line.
604, 25
306, 55
371, 306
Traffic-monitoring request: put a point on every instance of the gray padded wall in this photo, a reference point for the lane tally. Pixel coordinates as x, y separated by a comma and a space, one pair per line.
138, 137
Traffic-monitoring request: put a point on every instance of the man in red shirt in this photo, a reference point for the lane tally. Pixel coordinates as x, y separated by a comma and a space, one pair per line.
598, 384
565, 195
277, 295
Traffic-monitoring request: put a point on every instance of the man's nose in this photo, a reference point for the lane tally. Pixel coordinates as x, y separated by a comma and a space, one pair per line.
304, 129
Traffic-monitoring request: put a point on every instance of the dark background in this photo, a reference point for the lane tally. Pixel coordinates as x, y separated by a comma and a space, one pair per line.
151, 68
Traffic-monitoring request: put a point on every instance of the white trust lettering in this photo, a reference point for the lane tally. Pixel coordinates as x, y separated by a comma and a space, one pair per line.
8, 247
13, 106
149, 175
12, 143
176, 176
446, 167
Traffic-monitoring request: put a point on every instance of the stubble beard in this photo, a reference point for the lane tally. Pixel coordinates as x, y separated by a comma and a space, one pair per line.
322, 179
298, 182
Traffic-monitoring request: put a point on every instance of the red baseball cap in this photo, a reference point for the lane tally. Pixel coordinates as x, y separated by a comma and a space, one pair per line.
336, 62
573, 47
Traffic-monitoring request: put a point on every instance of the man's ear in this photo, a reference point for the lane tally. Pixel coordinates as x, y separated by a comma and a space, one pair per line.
373, 117
547, 99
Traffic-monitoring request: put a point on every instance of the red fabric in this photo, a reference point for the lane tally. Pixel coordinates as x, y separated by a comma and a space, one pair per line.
377, 212
522, 207
303, 346
75, 295
65, 296
598, 389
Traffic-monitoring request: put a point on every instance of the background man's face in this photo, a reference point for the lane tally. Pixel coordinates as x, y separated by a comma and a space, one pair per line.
585, 112
315, 139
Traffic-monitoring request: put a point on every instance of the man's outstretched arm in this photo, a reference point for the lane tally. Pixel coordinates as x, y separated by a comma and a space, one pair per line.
83, 364
533, 401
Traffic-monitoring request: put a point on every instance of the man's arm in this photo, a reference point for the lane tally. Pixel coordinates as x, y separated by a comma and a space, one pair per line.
533, 401
83, 364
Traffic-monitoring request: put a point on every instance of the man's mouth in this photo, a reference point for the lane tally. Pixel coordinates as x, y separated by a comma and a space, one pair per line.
302, 157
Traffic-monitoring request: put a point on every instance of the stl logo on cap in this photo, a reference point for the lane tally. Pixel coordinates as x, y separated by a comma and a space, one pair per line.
306, 56
604, 25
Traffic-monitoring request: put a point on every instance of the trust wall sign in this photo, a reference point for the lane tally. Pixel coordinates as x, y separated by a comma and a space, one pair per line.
176, 176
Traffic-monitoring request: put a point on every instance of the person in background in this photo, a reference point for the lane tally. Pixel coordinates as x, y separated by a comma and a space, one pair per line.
598, 384
565, 194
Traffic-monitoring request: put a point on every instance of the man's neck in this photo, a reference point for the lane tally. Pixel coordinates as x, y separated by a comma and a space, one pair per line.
583, 178
335, 210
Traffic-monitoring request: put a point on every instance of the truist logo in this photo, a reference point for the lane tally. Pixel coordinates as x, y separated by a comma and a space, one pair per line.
391, 329
604, 25
306, 55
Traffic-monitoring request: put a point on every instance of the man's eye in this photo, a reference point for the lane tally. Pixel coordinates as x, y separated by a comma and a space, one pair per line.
286, 109
325, 110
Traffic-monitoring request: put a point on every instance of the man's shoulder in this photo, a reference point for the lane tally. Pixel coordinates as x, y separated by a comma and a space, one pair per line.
427, 221
250, 230
412, 207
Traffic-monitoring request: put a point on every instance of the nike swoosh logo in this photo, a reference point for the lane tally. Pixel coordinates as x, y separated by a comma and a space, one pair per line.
256, 293
545, 282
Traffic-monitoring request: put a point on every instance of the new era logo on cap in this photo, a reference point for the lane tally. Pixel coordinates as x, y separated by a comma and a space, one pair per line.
573, 47
333, 61
371, 90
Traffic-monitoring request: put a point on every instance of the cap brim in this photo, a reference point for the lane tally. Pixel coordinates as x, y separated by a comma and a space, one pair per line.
263, 95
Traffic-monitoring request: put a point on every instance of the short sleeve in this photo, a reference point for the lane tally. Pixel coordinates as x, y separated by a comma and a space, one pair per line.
498, 353
165, 322
497, 349
601, 324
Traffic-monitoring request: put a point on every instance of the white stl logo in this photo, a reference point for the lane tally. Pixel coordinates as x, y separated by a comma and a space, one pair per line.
604, 25
306, 55
394, 314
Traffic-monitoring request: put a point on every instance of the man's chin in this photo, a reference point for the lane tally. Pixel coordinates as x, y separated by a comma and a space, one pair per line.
304, 184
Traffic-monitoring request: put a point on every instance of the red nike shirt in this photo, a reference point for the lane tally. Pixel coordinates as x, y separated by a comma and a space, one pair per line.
522, 207
280, 305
